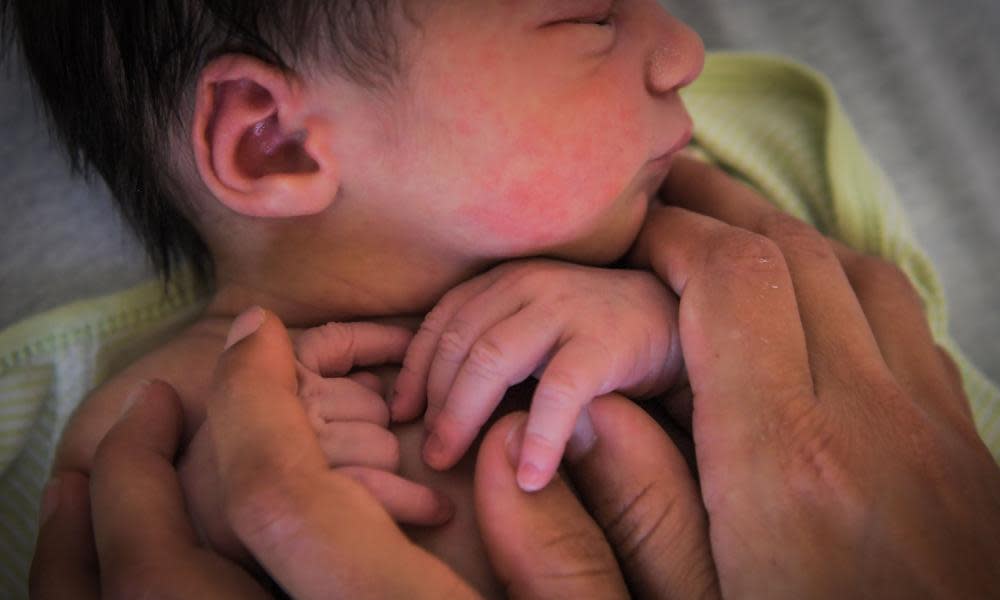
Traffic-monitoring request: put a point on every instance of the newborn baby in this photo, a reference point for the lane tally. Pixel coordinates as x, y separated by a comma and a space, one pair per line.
339, 161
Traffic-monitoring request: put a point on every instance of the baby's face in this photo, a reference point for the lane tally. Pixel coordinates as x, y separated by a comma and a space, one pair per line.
529, 127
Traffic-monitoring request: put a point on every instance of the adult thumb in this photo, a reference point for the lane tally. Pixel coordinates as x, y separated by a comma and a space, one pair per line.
544, 544
640, 490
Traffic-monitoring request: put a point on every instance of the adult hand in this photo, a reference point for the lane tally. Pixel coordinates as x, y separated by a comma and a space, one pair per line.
319, 533
835, 447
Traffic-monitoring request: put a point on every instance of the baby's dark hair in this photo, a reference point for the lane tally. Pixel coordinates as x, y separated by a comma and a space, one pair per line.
114, 76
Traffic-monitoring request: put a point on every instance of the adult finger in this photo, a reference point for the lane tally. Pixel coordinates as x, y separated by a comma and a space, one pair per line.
831, 316
144, 539
896, 316
65, 561
639, 489
410, 391
541, 545
502, 357
334, 349
889, 307
739, 324
317, 532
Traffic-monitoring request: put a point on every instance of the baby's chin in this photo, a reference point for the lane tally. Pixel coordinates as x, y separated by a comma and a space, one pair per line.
611, 238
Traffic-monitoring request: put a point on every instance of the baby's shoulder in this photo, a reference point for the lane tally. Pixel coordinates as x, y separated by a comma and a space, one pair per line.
185, 361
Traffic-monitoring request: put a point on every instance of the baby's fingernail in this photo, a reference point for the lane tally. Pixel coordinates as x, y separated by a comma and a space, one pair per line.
515, 439
446, 508
583, 438
138, 392
530, 478
434, 451
245, 325
50, 501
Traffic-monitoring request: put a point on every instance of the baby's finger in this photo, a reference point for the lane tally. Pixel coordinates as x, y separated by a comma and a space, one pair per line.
410, 391
360, 444
370, 381
342, 399
461, 339
334, 349
504, 356
574, 377
407, 502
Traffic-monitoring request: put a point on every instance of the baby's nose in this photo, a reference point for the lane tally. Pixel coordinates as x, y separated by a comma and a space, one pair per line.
677, 63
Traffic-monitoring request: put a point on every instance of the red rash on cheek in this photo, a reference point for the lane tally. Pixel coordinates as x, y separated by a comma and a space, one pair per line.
546, 190
537, 170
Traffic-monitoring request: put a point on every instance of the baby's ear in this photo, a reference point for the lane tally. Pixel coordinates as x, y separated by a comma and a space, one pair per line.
257, 146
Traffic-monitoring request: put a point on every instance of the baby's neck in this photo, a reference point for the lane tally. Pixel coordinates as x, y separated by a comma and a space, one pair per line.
366, 289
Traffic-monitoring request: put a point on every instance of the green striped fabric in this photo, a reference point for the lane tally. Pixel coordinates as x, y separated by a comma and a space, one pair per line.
775, 123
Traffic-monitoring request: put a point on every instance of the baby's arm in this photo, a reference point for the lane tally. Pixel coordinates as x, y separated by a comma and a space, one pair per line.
585, 331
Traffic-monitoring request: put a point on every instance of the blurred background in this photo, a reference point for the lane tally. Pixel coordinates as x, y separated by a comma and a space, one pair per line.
918, 77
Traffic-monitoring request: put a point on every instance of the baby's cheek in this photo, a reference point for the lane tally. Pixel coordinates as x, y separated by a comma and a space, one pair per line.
551, 185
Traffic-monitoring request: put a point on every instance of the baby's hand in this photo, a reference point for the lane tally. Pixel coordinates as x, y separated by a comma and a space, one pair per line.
587, 331
350, 416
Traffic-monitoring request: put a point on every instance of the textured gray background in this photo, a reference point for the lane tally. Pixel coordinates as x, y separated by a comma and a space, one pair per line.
918, 78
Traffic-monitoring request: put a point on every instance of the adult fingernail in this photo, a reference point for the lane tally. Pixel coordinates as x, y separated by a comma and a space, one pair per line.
583, 438
515, 439
137, 393
50, 501
245, 325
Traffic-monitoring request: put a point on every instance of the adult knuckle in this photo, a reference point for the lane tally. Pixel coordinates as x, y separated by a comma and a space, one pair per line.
641, 523
790, 232
817, 463
739, 250
582, 553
